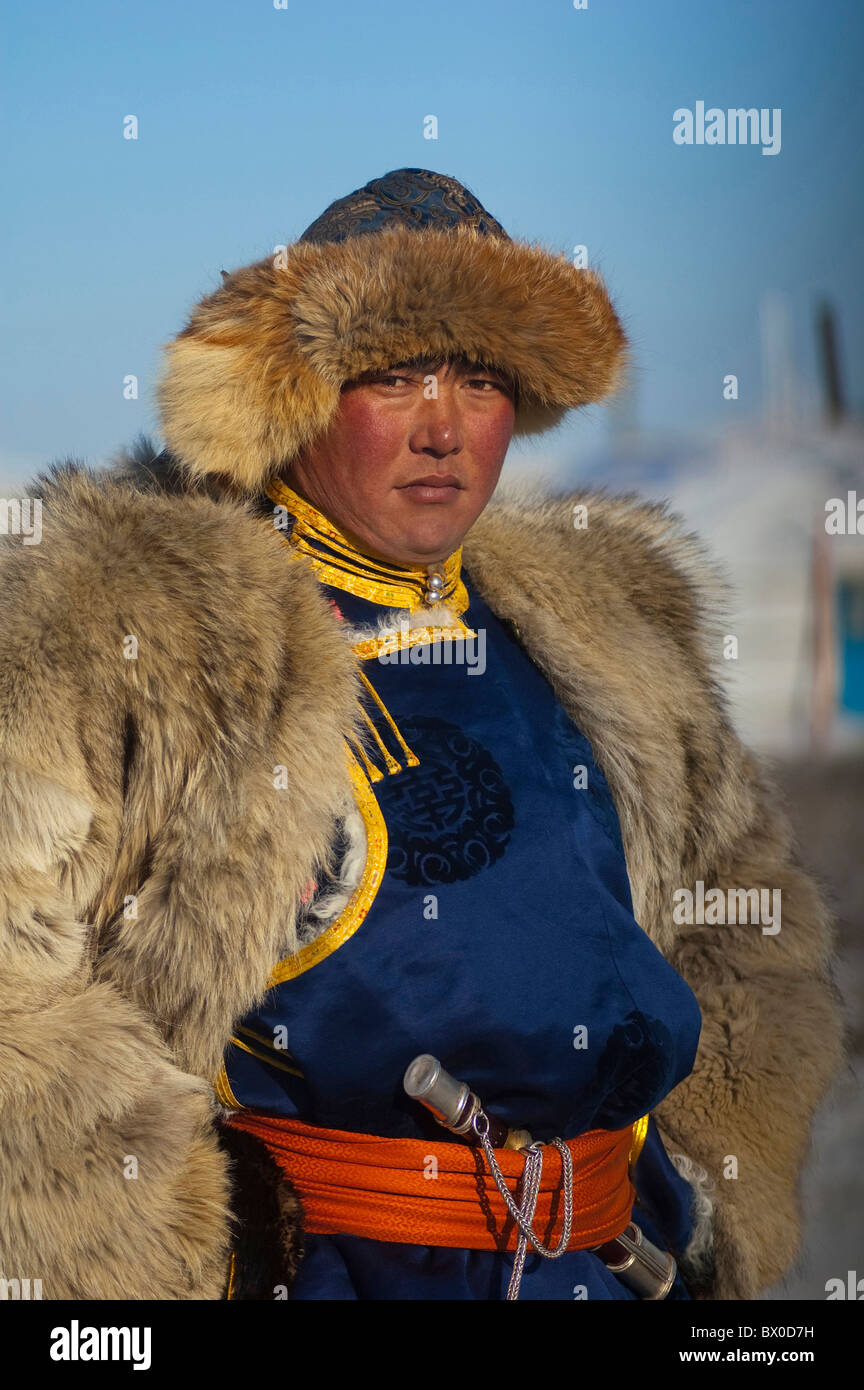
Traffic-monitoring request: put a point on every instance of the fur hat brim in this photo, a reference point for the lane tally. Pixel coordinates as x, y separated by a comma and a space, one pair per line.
256, 373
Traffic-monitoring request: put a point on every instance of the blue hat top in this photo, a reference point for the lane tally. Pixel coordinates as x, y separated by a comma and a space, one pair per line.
415, 198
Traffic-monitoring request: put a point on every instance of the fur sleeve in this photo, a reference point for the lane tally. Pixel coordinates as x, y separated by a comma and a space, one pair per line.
771, 1039
112, 1184
705, 812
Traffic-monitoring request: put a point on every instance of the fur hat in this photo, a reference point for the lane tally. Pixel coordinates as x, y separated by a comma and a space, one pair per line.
409, 266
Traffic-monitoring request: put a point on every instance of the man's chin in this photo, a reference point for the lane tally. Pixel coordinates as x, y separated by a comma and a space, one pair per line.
420, 543
427, 546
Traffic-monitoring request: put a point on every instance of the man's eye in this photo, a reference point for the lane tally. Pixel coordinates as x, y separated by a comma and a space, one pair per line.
486, 381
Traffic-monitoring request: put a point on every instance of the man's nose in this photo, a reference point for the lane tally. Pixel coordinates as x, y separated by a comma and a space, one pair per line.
436, 429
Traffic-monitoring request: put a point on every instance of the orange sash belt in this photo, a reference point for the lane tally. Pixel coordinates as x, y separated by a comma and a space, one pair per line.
427, 1192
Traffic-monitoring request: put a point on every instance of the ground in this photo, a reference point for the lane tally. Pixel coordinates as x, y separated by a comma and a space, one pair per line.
826, 803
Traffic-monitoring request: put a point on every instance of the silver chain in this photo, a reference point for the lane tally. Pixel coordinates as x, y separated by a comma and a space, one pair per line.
532, 1174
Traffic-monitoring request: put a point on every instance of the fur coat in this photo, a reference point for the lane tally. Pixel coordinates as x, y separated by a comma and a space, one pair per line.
161, 655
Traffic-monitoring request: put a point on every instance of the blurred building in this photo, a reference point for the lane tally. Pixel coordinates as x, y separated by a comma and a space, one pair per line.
766, 498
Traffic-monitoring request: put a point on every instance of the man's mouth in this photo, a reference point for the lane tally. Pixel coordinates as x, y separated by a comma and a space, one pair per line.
435, 487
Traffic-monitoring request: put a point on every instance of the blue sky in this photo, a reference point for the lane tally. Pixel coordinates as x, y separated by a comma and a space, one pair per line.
252, 119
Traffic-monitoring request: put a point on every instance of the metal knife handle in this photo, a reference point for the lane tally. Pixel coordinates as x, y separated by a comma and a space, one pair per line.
452, 1102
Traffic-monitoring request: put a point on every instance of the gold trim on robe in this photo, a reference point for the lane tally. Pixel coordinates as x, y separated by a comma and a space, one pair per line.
348, 921
640, 1134
337, 561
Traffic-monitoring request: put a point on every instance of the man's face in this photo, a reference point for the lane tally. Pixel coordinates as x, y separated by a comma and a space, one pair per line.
403, 471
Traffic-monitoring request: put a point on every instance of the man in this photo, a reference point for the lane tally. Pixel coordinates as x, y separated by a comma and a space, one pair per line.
248, 845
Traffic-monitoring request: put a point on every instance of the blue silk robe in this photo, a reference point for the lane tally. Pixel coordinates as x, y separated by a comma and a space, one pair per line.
493, 927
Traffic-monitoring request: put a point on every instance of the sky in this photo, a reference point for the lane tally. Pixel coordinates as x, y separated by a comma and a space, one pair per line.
252, 118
